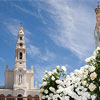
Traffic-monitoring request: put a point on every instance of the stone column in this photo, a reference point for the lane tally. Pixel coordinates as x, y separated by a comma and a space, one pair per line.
15, 98
24, 98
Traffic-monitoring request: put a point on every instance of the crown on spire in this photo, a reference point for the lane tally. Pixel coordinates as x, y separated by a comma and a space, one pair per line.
21, 28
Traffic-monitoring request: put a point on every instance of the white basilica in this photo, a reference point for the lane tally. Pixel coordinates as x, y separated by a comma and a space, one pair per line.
19, 82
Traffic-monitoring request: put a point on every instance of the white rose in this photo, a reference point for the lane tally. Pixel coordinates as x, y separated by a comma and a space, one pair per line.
92, 68
53, 78
63, 68
52, 89
46, 91
43, 97
54, 71
44, 84
57, 67
92, 87
41, 90
93, 97
93, 75
89, 59
49, 73
84, 83
44, 78
94, 53
98, 48
51, 94
58, 81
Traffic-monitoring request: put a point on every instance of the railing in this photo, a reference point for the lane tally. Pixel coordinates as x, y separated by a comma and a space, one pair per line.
18, 98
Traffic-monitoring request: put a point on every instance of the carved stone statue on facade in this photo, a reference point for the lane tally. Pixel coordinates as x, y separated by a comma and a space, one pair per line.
20, 79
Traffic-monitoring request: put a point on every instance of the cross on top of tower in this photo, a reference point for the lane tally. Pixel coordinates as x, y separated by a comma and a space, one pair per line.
21, 23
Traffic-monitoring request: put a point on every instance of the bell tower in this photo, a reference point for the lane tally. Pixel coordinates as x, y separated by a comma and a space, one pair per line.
97, 27
20, 51
20, 72
20, 80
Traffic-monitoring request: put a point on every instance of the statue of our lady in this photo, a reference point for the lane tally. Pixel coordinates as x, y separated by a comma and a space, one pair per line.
97, 27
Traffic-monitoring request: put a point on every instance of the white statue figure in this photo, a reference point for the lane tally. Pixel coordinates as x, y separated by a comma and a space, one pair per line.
97, 37
20, 79
36, 84
32, 68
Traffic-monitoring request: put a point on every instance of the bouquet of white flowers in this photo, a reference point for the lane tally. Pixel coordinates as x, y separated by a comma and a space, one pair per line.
83, 84
51, 81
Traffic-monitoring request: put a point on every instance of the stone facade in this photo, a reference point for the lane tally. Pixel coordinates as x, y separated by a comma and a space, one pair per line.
20, 81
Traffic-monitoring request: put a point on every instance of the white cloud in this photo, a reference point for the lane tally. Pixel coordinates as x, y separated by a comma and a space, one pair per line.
39, 72
2, 60
48, 56
24, 10
73, 25
31, 12
12, 29
33, 50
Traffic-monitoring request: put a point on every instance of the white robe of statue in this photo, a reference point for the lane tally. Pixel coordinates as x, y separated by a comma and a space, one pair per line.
97, 37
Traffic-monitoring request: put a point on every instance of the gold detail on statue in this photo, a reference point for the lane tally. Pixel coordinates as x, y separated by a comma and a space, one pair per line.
98, 18
97, 27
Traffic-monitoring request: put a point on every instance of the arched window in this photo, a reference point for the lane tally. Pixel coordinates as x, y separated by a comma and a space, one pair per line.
20, 38
9, 98
21, 44
2, 96
20, 55
36, 97
19, 96
29, 97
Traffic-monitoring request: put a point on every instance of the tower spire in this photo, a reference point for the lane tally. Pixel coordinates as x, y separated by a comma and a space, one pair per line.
20, 51
20, 61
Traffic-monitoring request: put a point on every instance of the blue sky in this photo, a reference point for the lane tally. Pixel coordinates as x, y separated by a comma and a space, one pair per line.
57, 32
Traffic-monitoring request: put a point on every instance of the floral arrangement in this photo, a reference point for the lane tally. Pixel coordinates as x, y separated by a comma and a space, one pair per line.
83, 84
51, 80
93, 77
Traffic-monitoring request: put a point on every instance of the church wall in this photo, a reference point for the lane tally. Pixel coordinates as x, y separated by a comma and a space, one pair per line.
9, 79
20, 81
33, 93
26, 93
5, 92
29, 79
